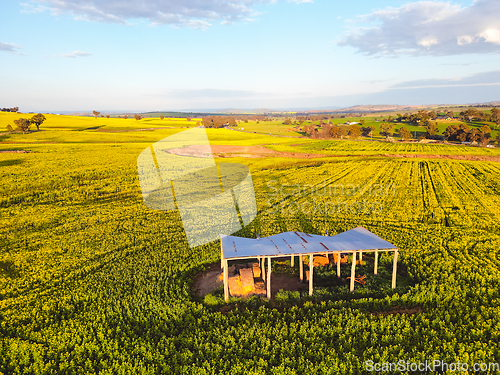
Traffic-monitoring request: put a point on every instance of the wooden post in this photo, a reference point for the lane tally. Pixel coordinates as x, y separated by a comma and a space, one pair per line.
268, 277
375, 269
263, 269
226, 281
394, 268
338, 264
221, 255
353, 270
360, 256
301, 263
292, 261
311, 266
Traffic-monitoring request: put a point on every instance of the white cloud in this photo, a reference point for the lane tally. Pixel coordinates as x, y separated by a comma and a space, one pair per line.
29, 8
189, 13
10, 47
427, 42
428, 28
76, 54
464, 39
491, 35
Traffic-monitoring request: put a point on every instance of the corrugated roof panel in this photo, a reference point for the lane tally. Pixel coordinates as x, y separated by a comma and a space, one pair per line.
294, 243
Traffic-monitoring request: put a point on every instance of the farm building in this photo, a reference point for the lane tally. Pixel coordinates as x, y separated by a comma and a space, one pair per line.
292, 244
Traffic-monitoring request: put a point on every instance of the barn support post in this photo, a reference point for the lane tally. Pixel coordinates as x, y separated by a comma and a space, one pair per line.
338, 264
360, 257
221, 255
263, 269
394, 268
292, 261
375, 268
226, 281
353, 270
268, 277
301, 263
311, 266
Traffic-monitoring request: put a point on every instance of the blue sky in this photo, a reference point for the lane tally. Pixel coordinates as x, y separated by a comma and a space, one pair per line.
65, 55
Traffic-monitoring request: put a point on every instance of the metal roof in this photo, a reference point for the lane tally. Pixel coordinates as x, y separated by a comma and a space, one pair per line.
295, 243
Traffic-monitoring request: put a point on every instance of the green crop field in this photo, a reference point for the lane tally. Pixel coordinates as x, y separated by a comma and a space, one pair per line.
92, 281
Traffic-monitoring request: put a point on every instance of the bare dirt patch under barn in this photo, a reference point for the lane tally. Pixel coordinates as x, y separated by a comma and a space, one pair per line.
210, 280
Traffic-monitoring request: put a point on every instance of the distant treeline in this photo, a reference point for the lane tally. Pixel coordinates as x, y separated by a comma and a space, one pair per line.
232, 120
461, 132
221, 121
13, 109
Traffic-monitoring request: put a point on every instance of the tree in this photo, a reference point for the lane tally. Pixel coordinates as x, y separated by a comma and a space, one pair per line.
335, 132
309, 130
343, 131
38, 120
497, 139
431, 128
107, 116
326, 132
162, 117
462, 137
451, 132
495, 116
471, 113
368, 131
137, 117
404, 133
125, 117
450, 114
96, 113
13, 109
464, 127
387, 129
420, 116
287, 121
188, 118
10, 129
484, 139
206, 122
473, 135
485, 129
354, 131
23, 124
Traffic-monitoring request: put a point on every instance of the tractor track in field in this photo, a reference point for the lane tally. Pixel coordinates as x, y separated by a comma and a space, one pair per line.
232, 151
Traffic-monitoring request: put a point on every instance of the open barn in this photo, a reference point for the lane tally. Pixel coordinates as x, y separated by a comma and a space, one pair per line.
297, 244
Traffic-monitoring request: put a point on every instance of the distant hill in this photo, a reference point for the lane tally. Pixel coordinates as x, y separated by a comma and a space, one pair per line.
379, 108
488, 104
361, 109
236, 111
